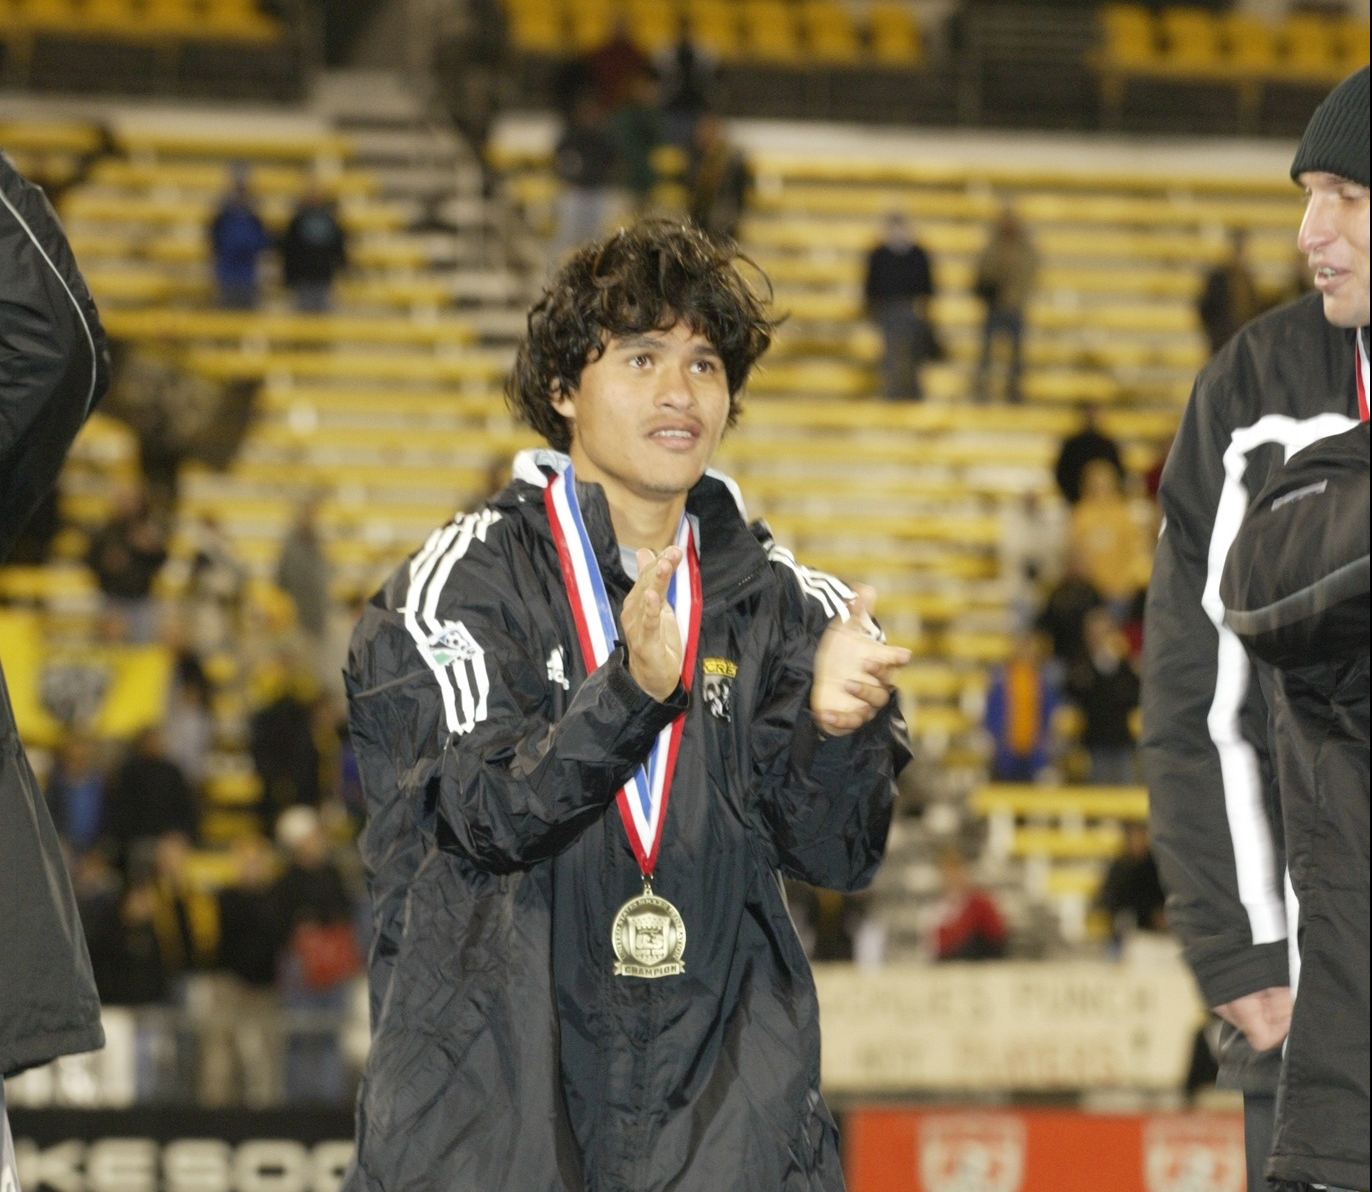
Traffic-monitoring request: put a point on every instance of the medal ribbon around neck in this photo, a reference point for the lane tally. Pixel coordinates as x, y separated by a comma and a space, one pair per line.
1363, 370
643, 799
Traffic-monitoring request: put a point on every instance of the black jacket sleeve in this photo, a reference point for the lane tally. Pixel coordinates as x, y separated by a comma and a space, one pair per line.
1204, 727
54, 363
826, 801
1295, 584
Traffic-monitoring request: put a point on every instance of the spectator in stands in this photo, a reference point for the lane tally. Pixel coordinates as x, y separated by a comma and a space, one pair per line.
720, 180
1109, 540
1063, 616
1229, 297
303, 571
1079, 449
238, 237
314, 250
1006, 271
965, 923
76, 792
1131, 893
189, 722
185, 913
1032, 537
637, 130
284, 753
243, 1037
1020, 706
148, 796
126, 952
126, 554
897, 290
321, 954
614, 66
584, 162
687, 72
215, 590
1105, 686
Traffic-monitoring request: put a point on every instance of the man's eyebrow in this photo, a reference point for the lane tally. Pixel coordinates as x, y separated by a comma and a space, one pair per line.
640, 341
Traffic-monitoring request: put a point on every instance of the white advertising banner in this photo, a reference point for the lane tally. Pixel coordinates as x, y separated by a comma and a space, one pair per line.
1009, 1025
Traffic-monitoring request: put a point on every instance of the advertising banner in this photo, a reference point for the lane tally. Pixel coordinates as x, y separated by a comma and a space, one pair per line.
172, 1149
973, 1150
1027, 1026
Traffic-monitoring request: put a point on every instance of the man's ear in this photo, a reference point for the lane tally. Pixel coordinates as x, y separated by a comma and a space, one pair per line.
562, 403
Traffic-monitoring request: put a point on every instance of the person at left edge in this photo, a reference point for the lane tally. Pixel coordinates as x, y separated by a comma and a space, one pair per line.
54, 367
507, 1055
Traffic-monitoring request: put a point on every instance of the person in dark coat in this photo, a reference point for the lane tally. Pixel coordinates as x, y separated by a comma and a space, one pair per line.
148, 795
238, 238
1131, 894
1286, 380
1295, 590
1081, 448
1105, 686
314, 250
583, 978
897, 290
54, 368
1229, 297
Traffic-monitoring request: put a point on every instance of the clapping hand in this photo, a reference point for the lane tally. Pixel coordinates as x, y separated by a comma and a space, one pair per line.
649, 625
853, 669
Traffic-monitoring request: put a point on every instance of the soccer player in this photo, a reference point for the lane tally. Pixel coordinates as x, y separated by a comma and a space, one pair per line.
597, 721
1289, 379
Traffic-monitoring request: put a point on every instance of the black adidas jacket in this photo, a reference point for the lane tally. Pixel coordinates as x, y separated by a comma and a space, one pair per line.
1285, 381
53, 369
1296, 588
506, 1055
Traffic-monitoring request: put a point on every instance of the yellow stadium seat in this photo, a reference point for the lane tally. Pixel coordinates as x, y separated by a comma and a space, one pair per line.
714, 23
770, 31
591, 23
1130, 37
1191, 39
830, 34
1350, 44
1250, 43
1308, 41
653, 25
895, 37
537, 29
52, 15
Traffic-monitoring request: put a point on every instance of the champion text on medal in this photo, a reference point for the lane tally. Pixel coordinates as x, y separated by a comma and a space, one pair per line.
649, 938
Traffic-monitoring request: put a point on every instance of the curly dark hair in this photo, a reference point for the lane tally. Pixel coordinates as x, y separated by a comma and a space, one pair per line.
645, 278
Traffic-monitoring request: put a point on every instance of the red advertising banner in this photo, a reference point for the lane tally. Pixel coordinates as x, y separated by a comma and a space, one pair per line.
973, 1150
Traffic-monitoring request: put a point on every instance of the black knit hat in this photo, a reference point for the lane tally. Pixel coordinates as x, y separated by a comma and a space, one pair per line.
1336, 139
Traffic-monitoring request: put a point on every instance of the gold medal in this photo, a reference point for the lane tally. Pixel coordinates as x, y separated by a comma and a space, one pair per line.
649, 937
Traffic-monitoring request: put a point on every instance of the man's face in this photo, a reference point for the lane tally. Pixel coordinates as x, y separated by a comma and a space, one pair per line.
1334, 237
648, 414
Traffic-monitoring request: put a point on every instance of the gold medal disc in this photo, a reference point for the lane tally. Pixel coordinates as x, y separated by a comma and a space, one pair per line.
649, 937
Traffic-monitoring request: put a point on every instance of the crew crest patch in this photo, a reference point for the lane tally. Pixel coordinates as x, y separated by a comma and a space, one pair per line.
451, 642
717, 686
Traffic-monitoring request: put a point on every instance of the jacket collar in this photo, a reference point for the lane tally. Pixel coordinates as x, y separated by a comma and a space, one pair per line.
730, 554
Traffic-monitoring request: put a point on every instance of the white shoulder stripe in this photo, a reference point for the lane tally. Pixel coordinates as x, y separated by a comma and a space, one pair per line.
1259, 884
462, 680
832, 594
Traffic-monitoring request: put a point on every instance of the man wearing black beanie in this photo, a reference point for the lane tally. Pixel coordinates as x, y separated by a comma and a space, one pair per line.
1291, 378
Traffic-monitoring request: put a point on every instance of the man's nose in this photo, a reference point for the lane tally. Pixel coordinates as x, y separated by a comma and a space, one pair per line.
1316, 227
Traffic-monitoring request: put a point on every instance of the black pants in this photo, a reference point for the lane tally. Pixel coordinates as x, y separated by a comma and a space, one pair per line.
1259, 1124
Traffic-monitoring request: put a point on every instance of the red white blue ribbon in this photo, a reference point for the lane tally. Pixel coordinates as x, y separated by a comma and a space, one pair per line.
1364, 380
643, 800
